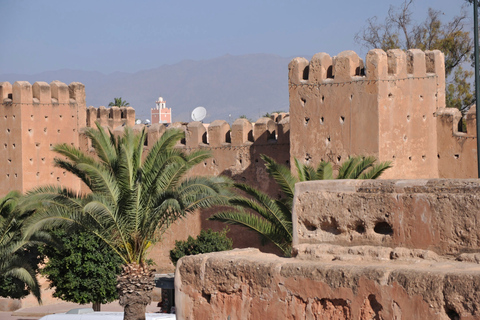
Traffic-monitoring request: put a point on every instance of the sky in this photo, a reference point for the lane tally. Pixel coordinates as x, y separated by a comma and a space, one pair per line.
129, 36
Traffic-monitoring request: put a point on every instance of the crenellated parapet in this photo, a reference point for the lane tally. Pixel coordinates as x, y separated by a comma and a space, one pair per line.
457, 143
42, 93
111, 117
347, 66
219, 134
384, 106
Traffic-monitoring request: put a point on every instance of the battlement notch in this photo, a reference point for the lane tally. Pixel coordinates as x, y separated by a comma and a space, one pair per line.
242, 132
5, 92
111, 117
22, 92
218, 133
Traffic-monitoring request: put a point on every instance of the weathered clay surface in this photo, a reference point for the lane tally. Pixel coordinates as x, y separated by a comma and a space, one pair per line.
438, 215
7, 304
247, 284
379, 249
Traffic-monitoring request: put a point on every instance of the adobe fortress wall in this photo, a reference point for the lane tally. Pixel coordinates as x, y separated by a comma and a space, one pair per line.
35, 118
235, 153
379, 249
392, 106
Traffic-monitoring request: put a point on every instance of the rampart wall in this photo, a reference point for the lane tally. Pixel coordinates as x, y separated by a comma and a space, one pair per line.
379, 249
111, 117
236, 153
34, 118
389, 107
457, 150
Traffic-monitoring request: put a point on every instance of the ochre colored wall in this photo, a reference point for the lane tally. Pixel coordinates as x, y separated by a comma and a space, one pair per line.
427, 267
457, 150
341, 106
35, 118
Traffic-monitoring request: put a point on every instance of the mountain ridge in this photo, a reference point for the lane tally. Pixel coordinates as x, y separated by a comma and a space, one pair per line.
227, 86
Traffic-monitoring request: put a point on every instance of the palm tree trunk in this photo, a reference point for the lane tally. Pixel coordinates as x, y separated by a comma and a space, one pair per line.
135, 285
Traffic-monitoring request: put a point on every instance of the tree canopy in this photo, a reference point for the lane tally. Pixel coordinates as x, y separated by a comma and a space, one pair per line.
81, 269
399, 30
19, 257
133, 199
118, 102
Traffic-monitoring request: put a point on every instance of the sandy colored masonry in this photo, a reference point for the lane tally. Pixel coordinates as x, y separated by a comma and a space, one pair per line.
391, 249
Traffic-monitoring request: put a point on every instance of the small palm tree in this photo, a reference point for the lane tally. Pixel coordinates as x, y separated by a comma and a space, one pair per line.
272, 219
132, 201
118, 102
12, 247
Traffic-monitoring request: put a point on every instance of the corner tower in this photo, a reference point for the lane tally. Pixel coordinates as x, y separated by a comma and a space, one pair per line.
33, 119
386, 107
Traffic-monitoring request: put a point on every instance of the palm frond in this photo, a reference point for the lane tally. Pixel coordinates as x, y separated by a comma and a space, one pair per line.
376, 171
324, 171
281, 175
257, 224
361, 164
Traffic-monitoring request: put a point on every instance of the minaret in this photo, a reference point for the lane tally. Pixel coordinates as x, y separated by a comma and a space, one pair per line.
161, 114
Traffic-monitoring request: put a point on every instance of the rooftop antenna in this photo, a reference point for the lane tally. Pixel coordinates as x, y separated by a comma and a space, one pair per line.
199, 113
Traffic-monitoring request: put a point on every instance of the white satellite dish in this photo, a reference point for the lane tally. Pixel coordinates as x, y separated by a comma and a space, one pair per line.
199, 113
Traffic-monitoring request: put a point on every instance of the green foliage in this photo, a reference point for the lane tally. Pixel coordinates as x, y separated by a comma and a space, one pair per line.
452, 38
207, 241
19, 257
458, 92
271, 218
133, 198
82, 270
245, 117
269, 114
118, 102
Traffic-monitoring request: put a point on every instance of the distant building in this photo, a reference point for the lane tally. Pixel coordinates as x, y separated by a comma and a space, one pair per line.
161, 114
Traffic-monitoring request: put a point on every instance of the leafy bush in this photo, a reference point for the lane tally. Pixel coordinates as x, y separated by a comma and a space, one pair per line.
83, 270
207, 241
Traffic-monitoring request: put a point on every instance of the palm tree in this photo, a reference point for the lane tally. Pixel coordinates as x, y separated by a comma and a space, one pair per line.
13, 262
118, 102
272, 219
132, 201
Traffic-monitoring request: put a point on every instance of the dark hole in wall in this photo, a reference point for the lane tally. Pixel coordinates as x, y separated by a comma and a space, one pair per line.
305, 72
359, 71
123, 116
360, 228
204, 138
462, 125
250, 135
110, 114
145, 143
310, 226
228, 137
331, 226
272, 135
452, 314
183, 141
206, 296
10, 96
303, 101
376, 307
384, 228
330, 72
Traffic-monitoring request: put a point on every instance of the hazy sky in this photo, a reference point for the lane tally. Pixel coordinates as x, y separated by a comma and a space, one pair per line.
120, 35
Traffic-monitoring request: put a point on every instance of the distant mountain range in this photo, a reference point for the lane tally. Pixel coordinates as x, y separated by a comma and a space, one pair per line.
228, 86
